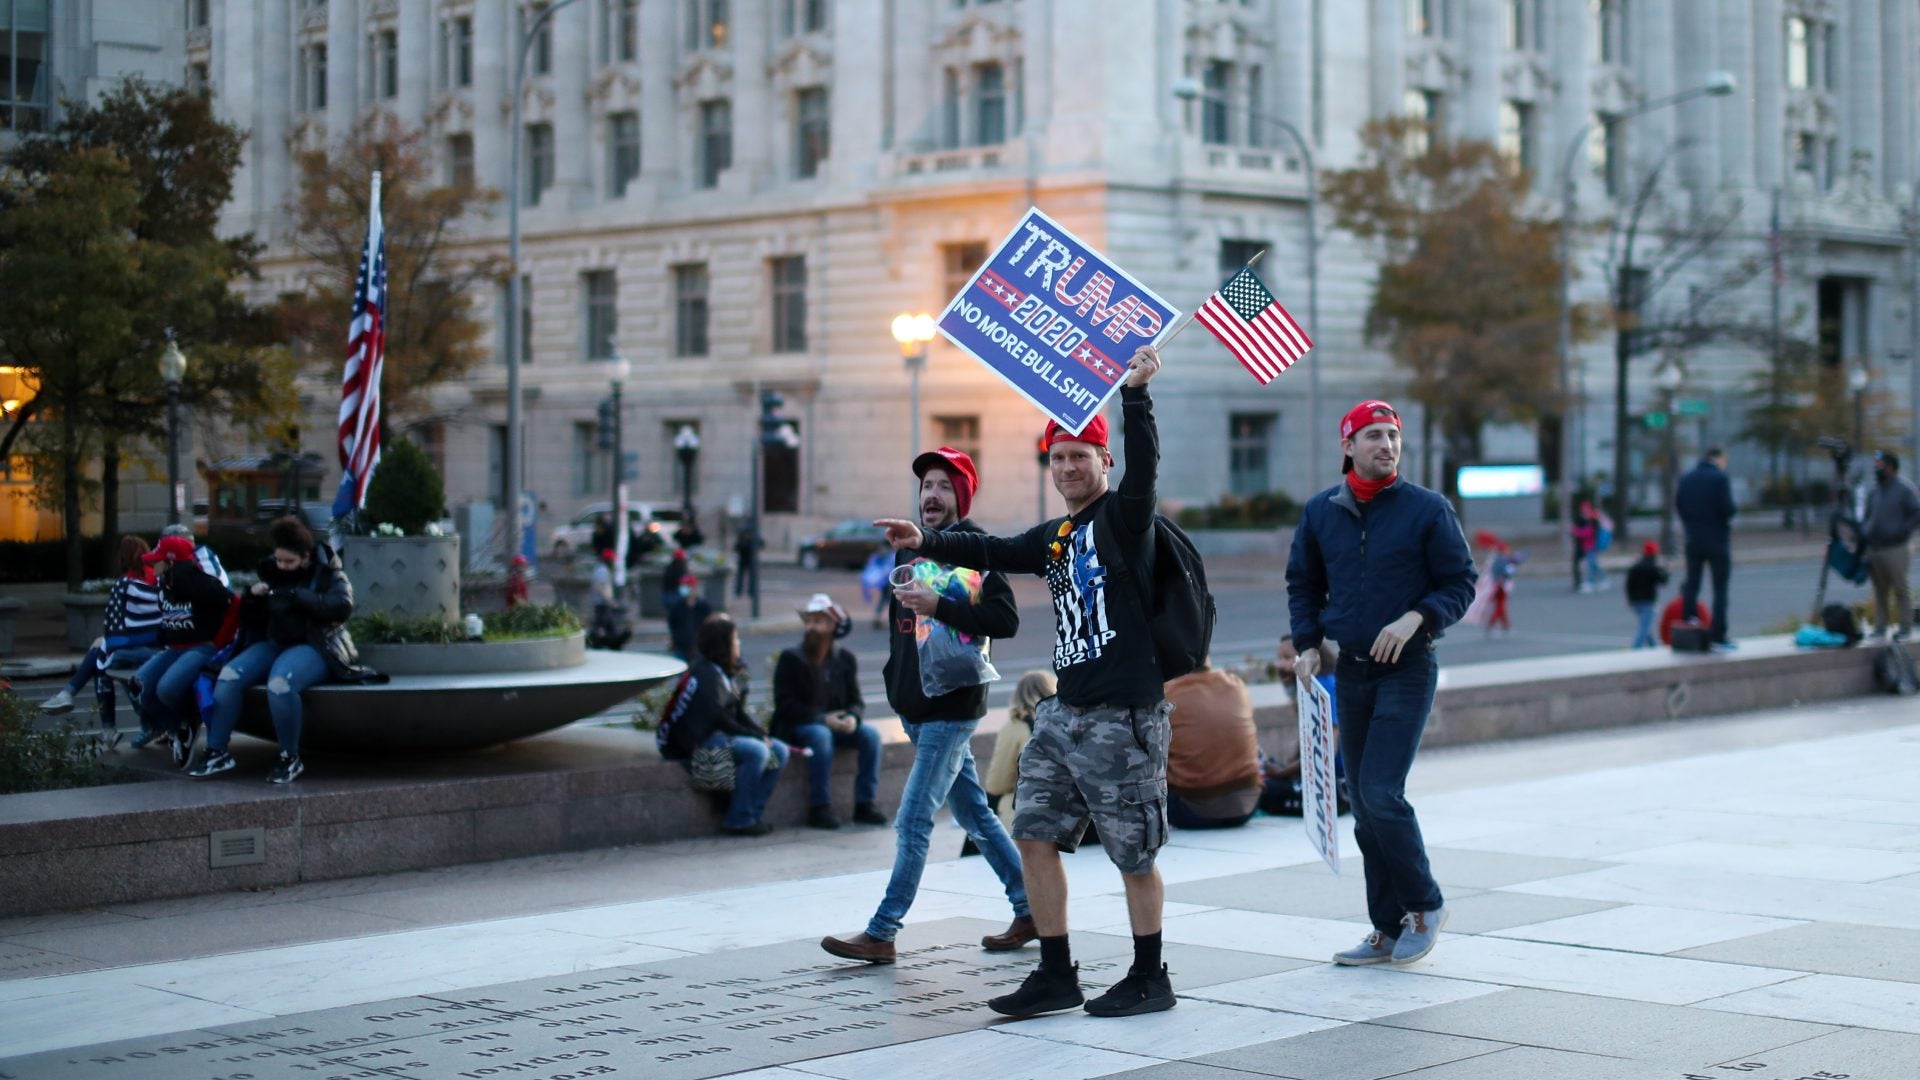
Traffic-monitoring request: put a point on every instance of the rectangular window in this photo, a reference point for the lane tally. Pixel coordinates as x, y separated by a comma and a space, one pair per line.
1256, 134
312, 95
624, 31
539, 161
1516, 133
463, 51
957, 264
989, 105
540, 57
526, 318
960, 432
199, 13
1425, 18
810, 131
813, 15
1249, 447
623, 151
590, 462
950, 109
1216, 119
1610, 31
1235, 254
1799, 53
717, 23
1606, 151
497, 464
386, 64
1423, 107
789, 303
602, 313
716, 140
1830, 65
690, 310
198, 79
460, 160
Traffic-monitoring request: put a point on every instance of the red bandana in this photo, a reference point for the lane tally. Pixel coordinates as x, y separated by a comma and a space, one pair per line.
1365, 490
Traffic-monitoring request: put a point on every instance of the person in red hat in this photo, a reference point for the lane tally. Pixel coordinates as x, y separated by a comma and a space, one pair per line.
193, 605
1099, 748
1644, 579
1379, 565
978, 608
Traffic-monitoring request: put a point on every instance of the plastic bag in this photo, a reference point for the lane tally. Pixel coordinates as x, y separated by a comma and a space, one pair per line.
949, 660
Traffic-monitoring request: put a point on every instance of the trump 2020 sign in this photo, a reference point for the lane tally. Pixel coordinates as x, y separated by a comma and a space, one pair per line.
1055, 319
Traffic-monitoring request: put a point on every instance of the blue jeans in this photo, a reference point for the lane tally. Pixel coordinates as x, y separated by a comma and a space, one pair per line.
820, 740
1595, 576
166, 688
1383, 709
103, 693
286, 669
756, 771
1643, 637
1720, 561
943, 772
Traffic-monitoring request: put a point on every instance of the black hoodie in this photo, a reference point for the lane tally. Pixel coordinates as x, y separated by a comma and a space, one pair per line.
995, 616
194, 606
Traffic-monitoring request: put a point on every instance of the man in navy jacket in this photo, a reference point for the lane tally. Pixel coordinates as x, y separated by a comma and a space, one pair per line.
1380, 566
1704, 502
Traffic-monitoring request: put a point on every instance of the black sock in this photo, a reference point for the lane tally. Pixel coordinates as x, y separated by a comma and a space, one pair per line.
1146, 953
1054, 955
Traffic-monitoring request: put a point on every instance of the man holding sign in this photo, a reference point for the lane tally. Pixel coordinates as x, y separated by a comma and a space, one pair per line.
1380, 566
1099, 748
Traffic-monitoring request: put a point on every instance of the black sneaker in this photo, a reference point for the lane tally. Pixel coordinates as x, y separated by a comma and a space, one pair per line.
867, 813
1139, 992
215, 763
822, 817
286, 770
1043, 992
182, 747
758, 828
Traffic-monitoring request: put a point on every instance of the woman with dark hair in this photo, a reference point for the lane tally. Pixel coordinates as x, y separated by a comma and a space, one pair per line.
132, 637
293, 635
709, 709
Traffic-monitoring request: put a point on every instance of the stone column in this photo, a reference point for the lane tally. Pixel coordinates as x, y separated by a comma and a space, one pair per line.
1769, 94
1573, 107
1696, 35
496, 40
419, 53
1479, 114
660, 149
346, 86
574, 137
859, 51
1653, 67
916, 85
1897, 52
754, 110
1387, 71
1734, 114
1291, 73
1861, 88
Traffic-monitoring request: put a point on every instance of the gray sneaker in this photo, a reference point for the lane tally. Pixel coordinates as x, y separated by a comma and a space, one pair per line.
1417, 940
1376, 949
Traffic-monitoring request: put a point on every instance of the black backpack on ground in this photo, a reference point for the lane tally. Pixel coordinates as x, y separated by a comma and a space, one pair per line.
1893, 670
1839, 619
1180, 610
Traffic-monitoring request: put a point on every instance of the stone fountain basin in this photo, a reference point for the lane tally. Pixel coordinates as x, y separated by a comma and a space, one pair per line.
463, 711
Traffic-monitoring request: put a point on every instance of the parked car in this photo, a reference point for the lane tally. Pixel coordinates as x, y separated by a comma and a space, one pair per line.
577, 534
847, 545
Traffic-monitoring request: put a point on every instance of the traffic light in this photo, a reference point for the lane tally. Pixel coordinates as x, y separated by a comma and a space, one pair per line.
603, 438
1044, 455
770, 419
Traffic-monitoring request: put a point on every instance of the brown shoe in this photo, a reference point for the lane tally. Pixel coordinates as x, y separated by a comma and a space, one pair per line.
859, 947
1018, 934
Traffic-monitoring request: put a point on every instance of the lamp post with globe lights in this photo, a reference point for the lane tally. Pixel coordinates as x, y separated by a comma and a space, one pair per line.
1858, 379
1670, 377
173, 369
913, 332
686, 446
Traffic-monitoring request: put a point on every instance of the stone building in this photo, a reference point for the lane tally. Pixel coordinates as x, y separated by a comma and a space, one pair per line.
741, 195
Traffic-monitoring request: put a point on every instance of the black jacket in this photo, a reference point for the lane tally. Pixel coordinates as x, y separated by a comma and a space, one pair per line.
995, 617
683, 622
1644, 579
705, 702
193, 604
307, 607
803, 694
1703, 500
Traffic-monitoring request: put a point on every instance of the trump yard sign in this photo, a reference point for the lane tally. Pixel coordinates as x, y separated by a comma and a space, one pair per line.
1055, 319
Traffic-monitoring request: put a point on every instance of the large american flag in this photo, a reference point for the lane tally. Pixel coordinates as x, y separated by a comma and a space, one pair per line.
366, 355
1253, 326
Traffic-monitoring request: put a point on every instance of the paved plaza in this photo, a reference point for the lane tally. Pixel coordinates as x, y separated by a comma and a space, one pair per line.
1727, 897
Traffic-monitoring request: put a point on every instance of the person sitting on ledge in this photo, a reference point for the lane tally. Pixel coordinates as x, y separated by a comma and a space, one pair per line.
709, 708
293, 635
817, 704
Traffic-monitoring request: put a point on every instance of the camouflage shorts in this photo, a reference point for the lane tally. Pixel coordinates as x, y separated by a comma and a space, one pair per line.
1103, 763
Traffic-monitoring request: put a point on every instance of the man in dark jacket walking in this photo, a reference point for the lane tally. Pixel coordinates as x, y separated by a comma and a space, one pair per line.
1380, 566
1704, 503
975, 606
1099, 748
1893, 513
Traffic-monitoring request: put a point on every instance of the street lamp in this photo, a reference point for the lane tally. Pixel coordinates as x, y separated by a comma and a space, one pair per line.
1669, 377
1718, 84
686, 444
1189, 90
617, 371
516, 437
1857, 380
913, 332
173, 368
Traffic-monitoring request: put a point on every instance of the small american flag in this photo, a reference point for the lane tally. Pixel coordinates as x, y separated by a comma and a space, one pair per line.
1253, 326
366, 356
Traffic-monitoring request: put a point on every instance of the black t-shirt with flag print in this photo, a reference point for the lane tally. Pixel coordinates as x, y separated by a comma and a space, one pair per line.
1103, 646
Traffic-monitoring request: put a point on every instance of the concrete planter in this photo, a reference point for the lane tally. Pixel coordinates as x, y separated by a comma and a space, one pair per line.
414, 577
478, 657
10, 609
483, 595
86, 618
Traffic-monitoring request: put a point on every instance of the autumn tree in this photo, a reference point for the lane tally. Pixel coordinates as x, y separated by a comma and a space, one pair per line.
1467, 300
433, 274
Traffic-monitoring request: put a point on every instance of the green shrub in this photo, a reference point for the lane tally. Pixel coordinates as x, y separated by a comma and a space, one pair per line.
527, 620
406, 492
1263, 511
42, 760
